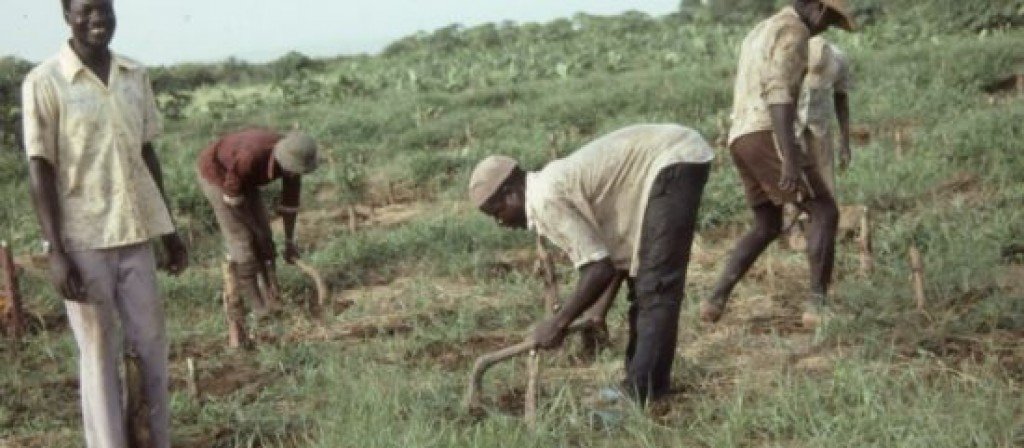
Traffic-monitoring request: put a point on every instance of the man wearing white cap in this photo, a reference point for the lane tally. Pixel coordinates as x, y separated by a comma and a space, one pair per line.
231, 170
765, 149
626, 202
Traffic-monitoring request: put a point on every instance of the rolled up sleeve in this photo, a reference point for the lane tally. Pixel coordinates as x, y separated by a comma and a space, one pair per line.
787, 63
40, 117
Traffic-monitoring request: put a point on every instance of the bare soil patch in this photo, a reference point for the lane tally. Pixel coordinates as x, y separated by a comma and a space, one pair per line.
459, 355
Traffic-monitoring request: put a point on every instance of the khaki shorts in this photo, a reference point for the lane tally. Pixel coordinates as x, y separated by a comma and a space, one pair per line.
760, 168
238, 239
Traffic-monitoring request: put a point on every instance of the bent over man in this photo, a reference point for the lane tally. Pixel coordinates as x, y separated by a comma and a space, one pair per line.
96, 183
824, 98
767, 154
230, 172
627, 202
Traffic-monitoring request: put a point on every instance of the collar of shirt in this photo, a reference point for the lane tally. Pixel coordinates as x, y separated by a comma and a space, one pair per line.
71, 65
790, 11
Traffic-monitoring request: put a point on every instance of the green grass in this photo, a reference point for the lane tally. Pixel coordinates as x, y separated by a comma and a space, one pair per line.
894, 377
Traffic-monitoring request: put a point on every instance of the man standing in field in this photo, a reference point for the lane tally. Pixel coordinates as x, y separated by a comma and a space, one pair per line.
89, 120
764, 146
626, 202
230, 172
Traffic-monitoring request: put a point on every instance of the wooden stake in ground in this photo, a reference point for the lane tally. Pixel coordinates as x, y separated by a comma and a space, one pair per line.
353, 222
867, 261
234, 310
898, 140
532, 377
11, 316
917, 276
192, 379
137, 423
547, 265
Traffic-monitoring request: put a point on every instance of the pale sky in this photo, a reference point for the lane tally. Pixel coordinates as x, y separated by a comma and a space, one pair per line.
167, 31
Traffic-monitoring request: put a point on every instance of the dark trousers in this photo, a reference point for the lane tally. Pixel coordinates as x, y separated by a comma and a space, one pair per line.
656, 293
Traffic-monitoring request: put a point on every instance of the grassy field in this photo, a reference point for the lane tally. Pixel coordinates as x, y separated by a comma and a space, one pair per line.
423, 284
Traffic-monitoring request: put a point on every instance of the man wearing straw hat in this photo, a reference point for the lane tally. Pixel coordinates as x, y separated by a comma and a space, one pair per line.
766, 150
230, 172
626, 202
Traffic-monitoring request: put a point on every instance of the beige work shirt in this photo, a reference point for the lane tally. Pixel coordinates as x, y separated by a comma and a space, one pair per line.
828, 72
591, 204
773, 61
92, 135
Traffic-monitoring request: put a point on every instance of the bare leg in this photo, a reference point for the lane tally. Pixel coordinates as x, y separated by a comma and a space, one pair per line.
821, 247
767, 226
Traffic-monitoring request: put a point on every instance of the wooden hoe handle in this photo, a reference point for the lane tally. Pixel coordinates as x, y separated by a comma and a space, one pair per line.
485, 362
318, 280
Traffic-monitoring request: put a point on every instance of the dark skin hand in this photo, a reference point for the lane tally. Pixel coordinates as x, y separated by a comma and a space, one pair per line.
783, 120
177, 255
842, 102
595, 279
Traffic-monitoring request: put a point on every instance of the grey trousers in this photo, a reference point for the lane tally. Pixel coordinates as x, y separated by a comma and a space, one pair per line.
122, 292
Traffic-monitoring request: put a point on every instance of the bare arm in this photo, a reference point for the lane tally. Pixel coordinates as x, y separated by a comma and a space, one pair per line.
43, 185
783, 123
288, 210
178, 256
842, 102
597, 312
595, 278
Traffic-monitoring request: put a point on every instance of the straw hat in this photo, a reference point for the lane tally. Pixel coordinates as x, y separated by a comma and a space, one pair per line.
847, 23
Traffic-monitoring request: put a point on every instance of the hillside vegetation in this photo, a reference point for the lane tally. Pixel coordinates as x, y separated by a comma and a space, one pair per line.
422, 284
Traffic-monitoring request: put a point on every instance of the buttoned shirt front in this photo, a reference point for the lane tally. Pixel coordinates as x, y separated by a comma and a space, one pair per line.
92, 134
828, 72
772, 64
591, 204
